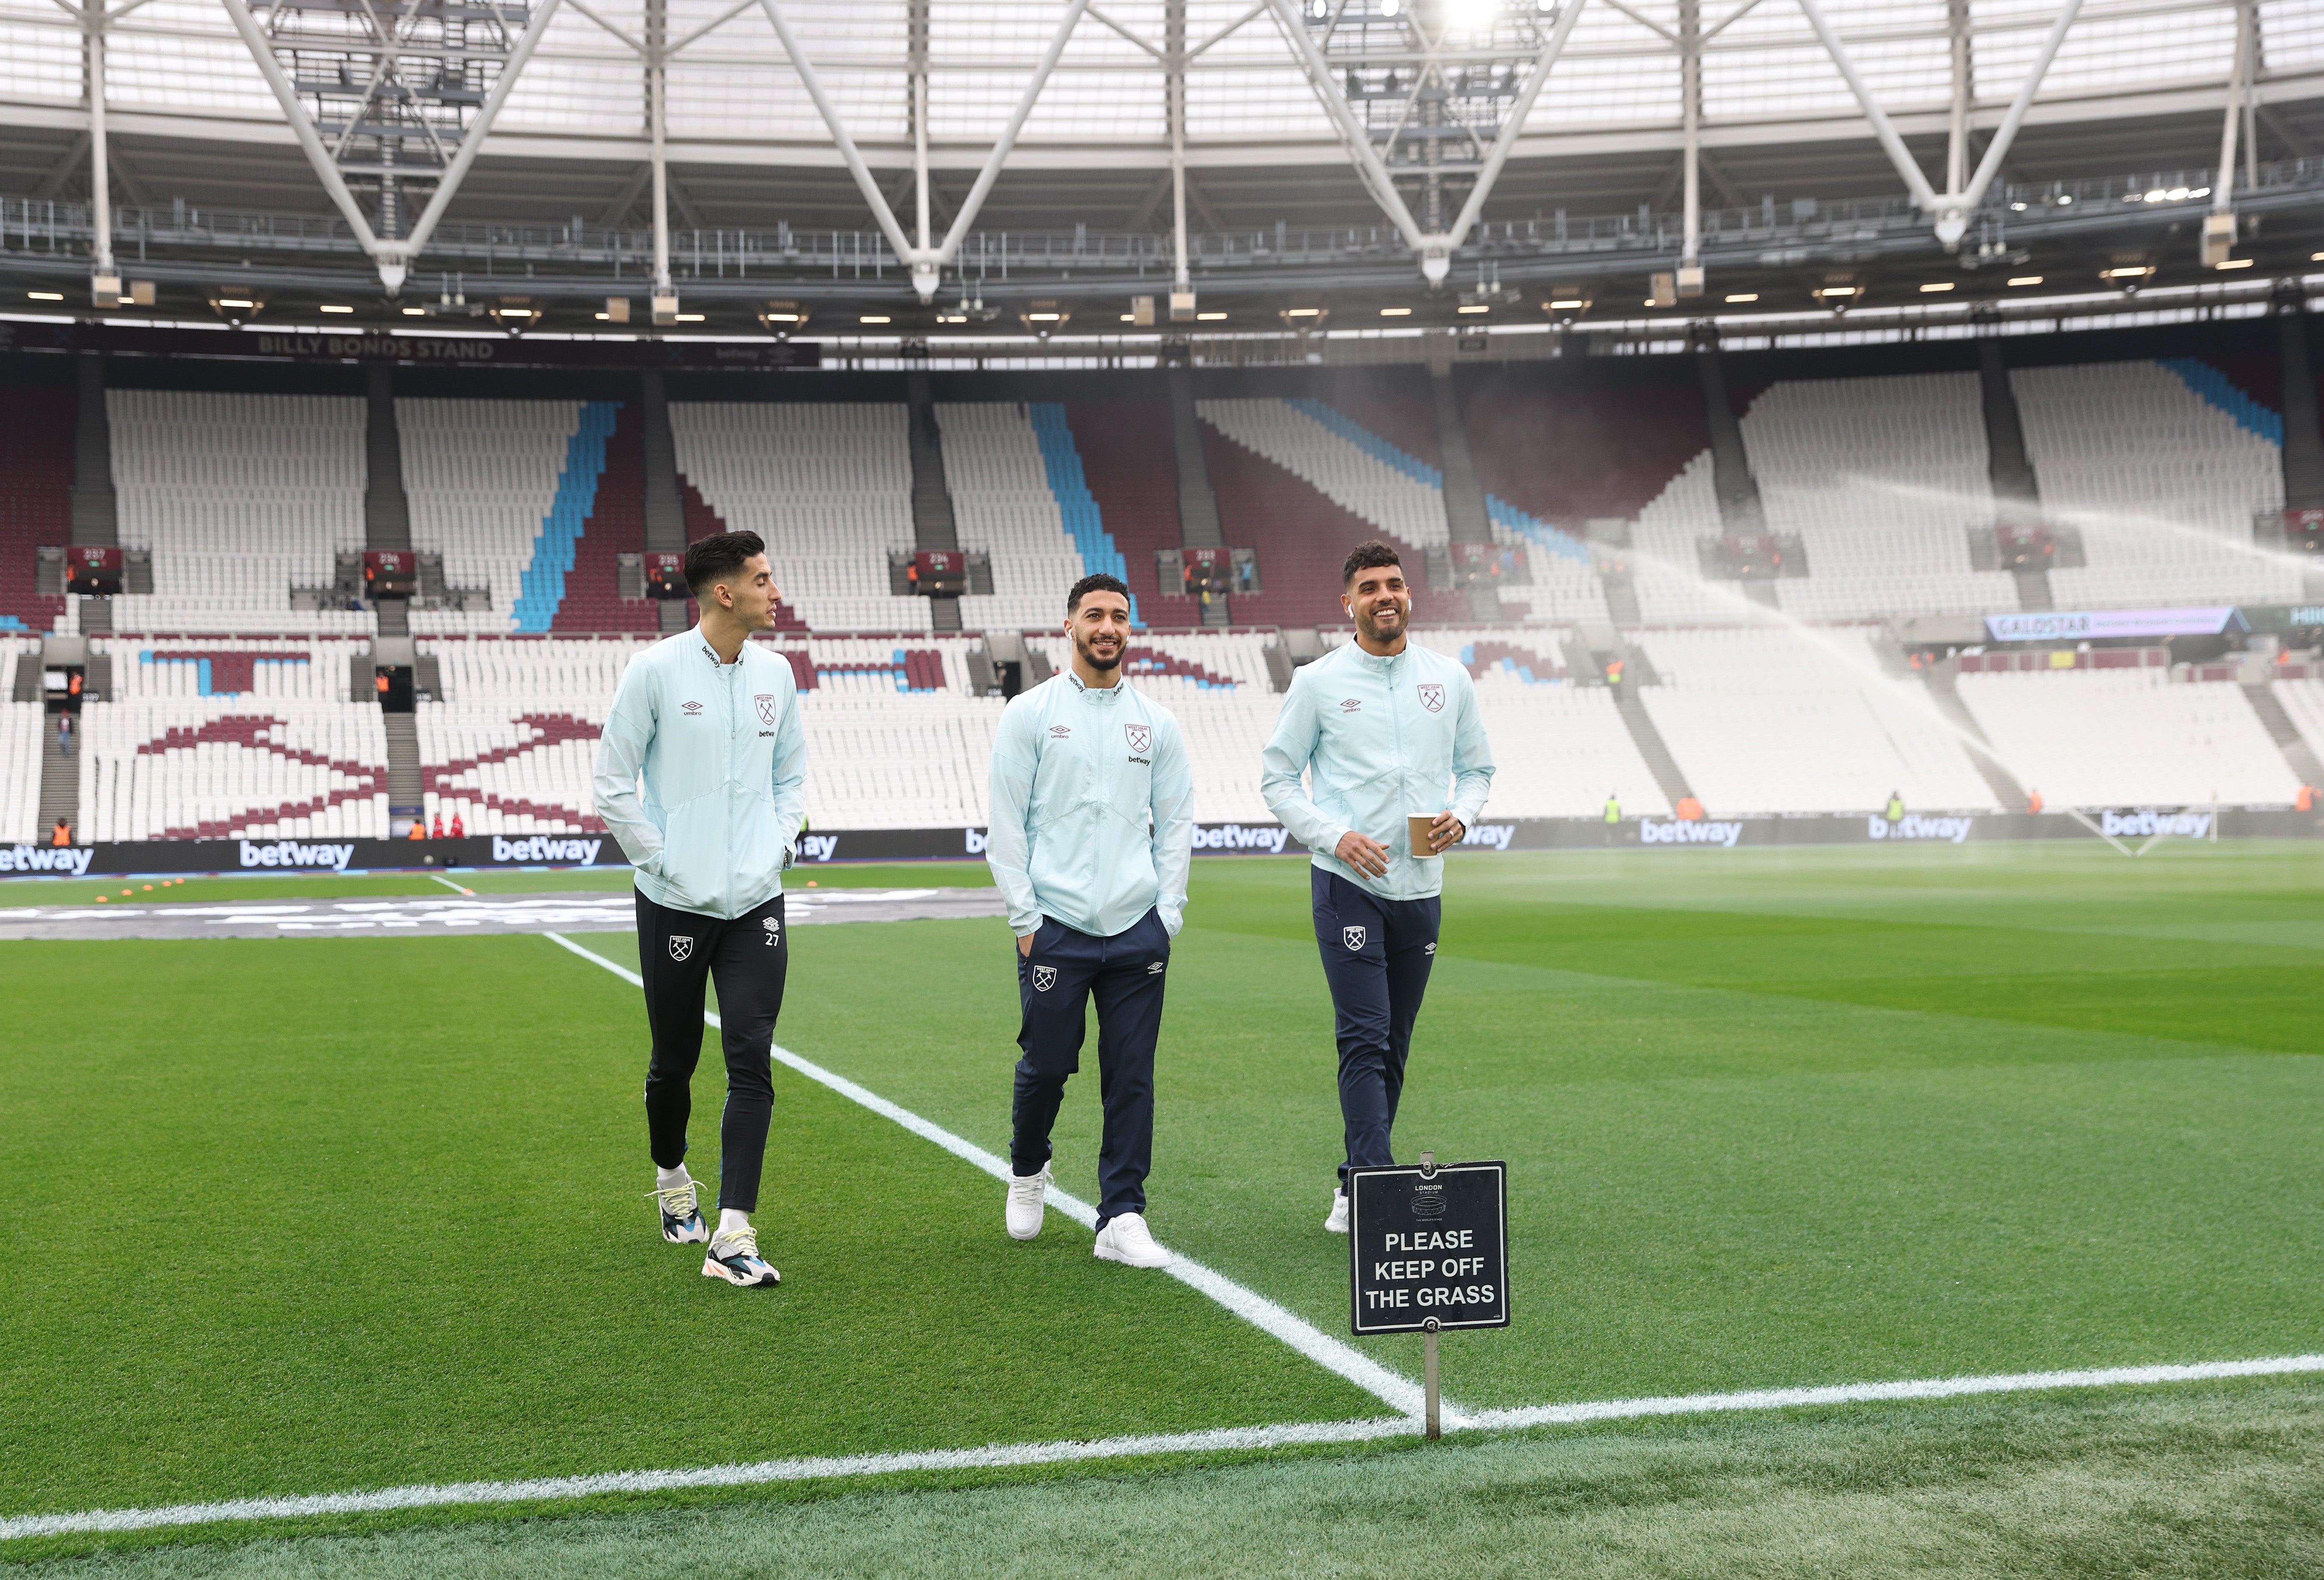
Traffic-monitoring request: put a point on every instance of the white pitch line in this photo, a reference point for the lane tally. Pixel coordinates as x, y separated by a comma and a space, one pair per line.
447, 883
1398, 1392
1005, 1455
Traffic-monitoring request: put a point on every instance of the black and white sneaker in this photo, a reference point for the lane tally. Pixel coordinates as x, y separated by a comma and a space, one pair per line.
734, 1257
681, 1216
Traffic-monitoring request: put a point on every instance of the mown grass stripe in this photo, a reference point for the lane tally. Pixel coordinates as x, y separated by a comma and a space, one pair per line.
1398, 1392
1218, 1440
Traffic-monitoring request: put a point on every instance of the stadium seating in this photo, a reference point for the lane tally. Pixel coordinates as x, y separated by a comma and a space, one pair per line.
1666, 574
2161, 467
1795, 721
1130, 469
615, 526
24, 736
1009, 496
2128, 737
251, 730
2304, 702
239, 497
511, 746
218, 738
1882, 479
35, 500
1559, 748
1399, 497
828, 485
502, 489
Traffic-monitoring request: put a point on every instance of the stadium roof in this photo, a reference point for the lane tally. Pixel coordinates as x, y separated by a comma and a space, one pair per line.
1296, 113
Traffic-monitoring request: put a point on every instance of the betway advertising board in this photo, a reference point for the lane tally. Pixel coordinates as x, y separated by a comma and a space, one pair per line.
1660, 834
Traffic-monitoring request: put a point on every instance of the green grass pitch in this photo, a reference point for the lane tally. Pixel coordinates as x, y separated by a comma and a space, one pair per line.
289, 1216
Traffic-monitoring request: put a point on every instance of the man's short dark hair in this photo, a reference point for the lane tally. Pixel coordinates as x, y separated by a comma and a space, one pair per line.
715, 558
1099, 583
1368, 556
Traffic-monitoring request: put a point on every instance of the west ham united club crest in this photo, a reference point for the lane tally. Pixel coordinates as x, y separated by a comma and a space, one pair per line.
766, 702
1431, 697
1044, 977
680, 945
1140, 736
1353, 937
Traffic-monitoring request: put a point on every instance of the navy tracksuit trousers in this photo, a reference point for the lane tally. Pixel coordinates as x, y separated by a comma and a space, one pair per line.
1055, 983
1376, 958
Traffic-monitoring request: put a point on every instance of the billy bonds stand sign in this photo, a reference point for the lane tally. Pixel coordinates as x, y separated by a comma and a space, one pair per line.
1428, 1249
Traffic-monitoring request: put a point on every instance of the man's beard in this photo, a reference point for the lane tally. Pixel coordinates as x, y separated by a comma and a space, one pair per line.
1111, 661
1367, 620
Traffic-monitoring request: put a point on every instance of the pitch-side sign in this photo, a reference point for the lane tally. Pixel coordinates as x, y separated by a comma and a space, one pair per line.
2103, 624
1429, 1247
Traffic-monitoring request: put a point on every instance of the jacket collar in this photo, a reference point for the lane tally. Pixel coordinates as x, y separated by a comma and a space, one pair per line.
1377, 661
710, 654
1095, 693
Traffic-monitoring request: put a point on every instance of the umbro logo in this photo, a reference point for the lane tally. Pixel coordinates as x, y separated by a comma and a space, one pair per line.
1059, 732
1351, 705
690, 709
1155, 969
774, 930
1428, 948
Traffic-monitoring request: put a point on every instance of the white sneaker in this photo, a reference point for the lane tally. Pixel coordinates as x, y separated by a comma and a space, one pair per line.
1127, 1240
1338, 1222
1027, 1203
734, 1257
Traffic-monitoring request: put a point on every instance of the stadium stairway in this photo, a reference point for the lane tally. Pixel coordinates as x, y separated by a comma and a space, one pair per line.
2303, 440
1944, 691
387, 510
35, 501
2017, 491
1201, 524
934, 526
59, 784
95, 507
2278, 724
406, 785
1652, 749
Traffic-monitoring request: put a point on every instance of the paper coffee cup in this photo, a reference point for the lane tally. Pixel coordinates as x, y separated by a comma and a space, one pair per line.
1417, 826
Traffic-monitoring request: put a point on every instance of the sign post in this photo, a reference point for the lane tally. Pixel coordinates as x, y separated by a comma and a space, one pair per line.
1428, 1249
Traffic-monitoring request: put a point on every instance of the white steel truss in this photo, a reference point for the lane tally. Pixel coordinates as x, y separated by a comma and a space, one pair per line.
1952, 209
420, 111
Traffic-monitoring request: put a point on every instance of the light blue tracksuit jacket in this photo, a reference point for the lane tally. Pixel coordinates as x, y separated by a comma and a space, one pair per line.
1380, 738
723, 755
1090, 808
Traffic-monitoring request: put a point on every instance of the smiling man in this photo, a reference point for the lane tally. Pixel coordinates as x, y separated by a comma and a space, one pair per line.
1386, 732
1092, 835
711, 724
